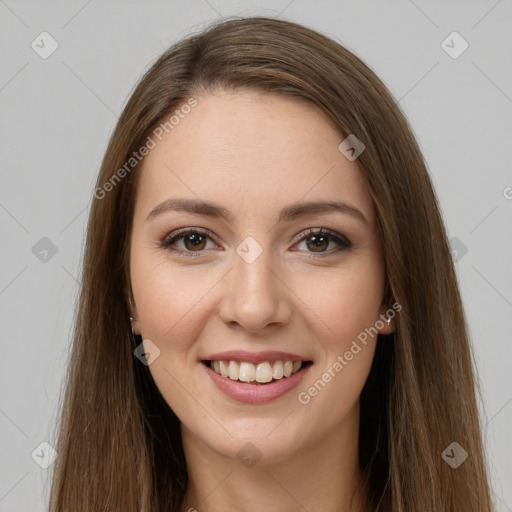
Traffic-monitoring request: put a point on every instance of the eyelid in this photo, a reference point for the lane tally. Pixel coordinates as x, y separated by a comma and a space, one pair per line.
338, 237
180, 233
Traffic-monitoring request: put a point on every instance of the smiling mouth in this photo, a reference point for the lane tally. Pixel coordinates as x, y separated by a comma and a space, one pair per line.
263, 373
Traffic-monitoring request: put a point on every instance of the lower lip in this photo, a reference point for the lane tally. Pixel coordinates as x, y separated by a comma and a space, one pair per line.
256, 393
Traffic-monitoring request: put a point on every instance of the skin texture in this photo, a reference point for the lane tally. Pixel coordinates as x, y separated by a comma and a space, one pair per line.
255, 153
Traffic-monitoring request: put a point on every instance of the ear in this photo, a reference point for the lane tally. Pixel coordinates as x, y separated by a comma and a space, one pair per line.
132, 309
386, 314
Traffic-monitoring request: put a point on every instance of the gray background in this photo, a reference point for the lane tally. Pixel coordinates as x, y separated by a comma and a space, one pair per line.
57, 115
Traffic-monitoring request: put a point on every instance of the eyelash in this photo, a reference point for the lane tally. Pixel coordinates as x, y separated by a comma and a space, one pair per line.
343, 242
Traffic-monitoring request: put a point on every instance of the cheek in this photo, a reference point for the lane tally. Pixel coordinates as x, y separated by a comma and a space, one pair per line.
348, 306
173, 308
171, 299
346, 300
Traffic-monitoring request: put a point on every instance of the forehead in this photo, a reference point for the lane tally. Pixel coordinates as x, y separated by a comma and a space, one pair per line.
254, 150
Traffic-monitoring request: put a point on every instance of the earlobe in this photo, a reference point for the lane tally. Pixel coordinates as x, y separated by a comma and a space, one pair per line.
390, 328
135, 326
386, 324
133, 314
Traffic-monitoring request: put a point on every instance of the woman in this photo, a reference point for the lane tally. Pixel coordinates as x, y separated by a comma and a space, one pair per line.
269, 315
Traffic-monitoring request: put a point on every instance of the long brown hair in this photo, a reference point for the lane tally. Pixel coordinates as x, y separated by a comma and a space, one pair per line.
119, 442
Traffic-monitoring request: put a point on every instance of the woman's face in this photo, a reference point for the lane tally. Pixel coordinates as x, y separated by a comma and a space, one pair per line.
253, 278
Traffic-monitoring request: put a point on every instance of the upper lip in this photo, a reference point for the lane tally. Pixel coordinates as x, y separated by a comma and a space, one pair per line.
255, 357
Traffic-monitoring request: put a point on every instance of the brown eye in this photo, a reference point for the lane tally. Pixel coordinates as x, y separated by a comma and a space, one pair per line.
194, 242
188, 242
317, 243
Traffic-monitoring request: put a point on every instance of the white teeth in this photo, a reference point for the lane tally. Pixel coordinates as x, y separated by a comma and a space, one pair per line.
288, 368
233, 370
223, 369
278, 370
247, 372
262, 373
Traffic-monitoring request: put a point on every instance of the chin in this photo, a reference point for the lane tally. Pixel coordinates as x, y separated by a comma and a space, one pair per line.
256, 439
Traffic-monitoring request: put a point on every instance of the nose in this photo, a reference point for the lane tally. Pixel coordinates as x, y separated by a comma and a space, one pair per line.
256, 295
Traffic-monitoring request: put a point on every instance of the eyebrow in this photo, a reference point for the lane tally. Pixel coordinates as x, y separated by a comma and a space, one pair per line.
288, 213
